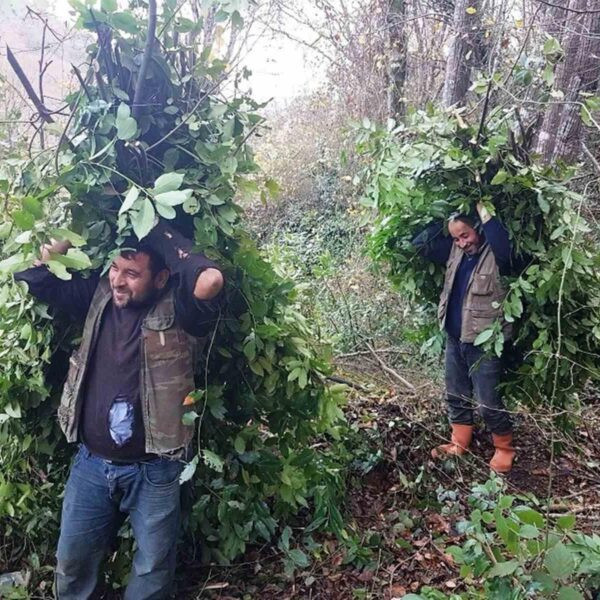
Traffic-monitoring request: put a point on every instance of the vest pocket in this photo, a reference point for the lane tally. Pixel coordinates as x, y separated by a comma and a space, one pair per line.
165, 344
168, 378
483, 285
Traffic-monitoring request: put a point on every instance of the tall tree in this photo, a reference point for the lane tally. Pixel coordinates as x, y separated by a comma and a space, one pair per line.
398, 49
562, 130
465, 51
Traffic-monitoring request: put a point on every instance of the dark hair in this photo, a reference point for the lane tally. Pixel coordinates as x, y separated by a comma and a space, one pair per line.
133, 247
470, 220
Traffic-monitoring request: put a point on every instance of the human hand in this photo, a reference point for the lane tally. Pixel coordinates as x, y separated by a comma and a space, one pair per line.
54, 247
483, 212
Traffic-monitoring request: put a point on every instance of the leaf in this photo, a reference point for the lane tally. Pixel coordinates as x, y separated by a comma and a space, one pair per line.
173, 198
5, 229
109, 6
239, 444
189, 418
33, 206
12, 263
566, 521
60, 233
543, 203
569, 593
142, 220
529, 532
552, 47
502, 569
188, 470
273, 188
58, 269
214, 200
559, 561
250, 349
167, 212
74, 259
229, 165
168, 182
126, 125
302, 379
13, 410
295, 373
125, 22
130, 198
483, 337
23, 219
212, 460
300, 559
500, 177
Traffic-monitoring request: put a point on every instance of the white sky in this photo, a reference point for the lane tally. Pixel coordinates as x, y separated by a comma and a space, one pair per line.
279, 67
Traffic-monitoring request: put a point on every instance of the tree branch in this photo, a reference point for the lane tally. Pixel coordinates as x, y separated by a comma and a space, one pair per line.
572, 10
139, 86
42, 110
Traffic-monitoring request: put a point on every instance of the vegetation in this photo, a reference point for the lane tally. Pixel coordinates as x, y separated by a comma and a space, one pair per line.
436, 165
300, 485
181, 153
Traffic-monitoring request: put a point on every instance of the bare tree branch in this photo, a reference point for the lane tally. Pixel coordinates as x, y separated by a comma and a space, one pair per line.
42, 110
572, 10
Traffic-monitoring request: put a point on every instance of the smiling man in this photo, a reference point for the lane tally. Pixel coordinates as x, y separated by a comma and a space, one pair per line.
123, 402
476, 254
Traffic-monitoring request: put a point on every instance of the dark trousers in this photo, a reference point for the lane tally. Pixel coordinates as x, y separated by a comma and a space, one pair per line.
469, 372
98, 496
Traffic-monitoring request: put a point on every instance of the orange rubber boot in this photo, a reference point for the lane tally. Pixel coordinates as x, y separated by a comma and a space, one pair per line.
460, 440
505, 453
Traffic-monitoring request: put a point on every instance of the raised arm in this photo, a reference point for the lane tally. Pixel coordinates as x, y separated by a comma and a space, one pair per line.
432, 244
497, 237
71, 296
199, 281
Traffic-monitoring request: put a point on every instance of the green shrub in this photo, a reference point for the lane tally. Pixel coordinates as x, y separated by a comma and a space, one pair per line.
517, 553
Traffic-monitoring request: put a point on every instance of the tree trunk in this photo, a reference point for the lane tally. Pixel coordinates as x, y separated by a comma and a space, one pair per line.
398, 48
562, 130
465, 51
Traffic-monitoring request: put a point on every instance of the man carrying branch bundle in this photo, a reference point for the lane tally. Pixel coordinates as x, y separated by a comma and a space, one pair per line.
123, 402
476, 254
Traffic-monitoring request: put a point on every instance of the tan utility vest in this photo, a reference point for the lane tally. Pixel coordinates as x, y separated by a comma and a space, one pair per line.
166, 374
484, 290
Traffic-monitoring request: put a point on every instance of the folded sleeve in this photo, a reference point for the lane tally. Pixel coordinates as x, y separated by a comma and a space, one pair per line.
197, 317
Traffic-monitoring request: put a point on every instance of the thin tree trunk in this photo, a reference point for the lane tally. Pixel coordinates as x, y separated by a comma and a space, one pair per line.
397, 57
465, 51
562, 130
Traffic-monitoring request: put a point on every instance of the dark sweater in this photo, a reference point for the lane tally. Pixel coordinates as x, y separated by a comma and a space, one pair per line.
114, 366
435, 246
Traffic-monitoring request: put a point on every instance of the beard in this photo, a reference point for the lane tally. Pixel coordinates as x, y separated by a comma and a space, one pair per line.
125, 299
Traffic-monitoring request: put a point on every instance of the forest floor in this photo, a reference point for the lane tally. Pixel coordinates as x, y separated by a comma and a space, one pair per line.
403, 506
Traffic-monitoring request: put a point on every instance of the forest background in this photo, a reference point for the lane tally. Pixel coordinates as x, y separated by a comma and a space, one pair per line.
369, 90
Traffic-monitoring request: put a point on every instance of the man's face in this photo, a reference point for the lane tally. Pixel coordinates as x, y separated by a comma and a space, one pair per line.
132, 282
464, 236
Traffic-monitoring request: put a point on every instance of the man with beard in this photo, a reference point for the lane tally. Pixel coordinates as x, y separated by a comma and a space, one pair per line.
476, 253
123, 402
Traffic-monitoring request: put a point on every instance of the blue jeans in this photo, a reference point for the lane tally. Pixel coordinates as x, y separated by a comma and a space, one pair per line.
469, 371
98, 496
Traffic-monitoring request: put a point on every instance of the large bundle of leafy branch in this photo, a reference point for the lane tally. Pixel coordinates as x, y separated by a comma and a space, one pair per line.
437, 164
149, 135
